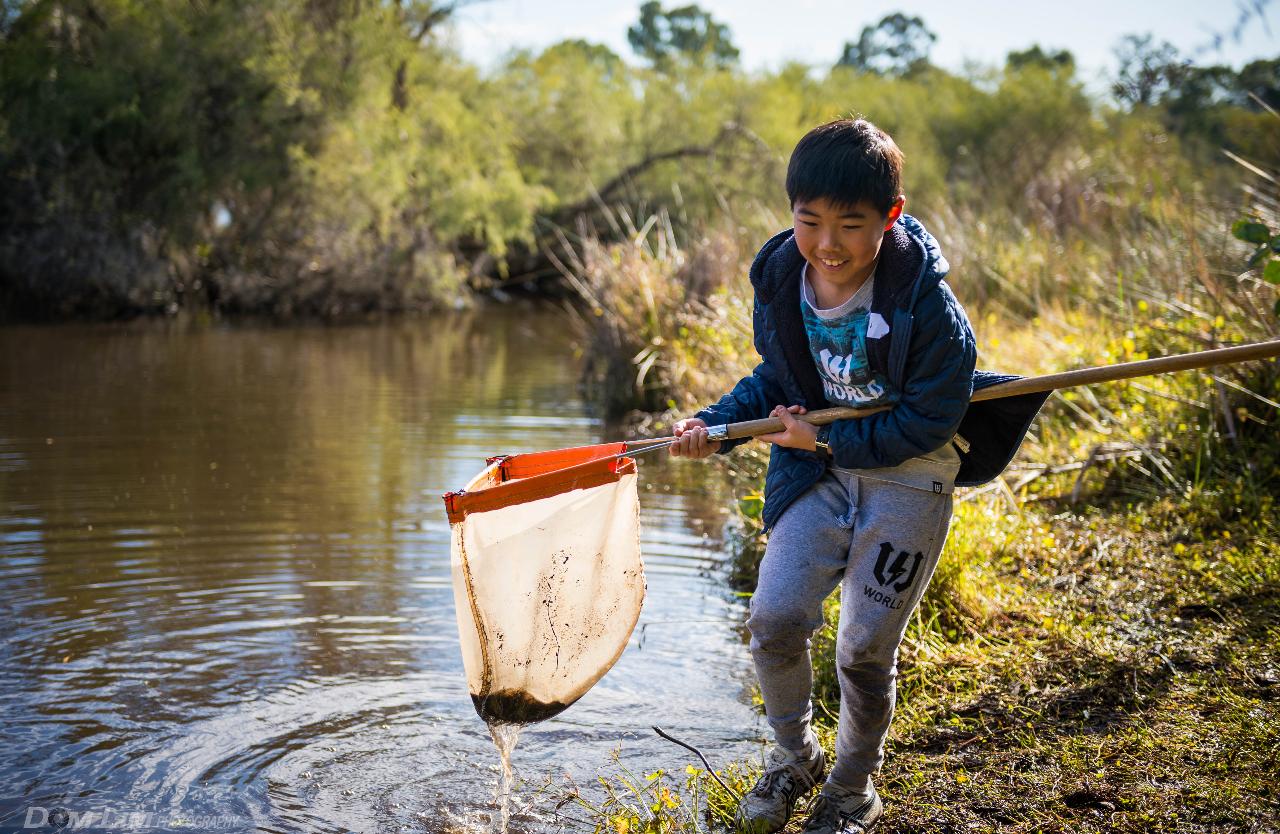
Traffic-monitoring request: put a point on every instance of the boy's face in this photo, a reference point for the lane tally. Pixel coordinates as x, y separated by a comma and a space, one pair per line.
841, 243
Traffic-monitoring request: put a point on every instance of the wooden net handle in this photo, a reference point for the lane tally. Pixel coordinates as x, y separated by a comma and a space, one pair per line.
1031, 385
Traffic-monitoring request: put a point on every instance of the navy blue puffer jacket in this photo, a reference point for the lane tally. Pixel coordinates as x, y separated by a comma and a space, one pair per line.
928, 355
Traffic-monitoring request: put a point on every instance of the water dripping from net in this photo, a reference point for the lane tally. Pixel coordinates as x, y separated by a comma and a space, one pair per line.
505, 737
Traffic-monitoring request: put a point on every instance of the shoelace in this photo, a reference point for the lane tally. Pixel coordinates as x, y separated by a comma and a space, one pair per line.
775, 779
783, 777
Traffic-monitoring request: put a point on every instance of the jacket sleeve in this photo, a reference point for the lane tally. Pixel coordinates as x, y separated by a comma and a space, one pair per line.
938, 382
753, 397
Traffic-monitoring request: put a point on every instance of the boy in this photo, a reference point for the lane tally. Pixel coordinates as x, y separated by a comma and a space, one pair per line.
850, 309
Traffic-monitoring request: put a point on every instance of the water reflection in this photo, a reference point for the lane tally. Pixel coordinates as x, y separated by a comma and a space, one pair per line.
224, 564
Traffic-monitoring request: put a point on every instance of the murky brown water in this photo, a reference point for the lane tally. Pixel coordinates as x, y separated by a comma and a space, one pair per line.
224, 572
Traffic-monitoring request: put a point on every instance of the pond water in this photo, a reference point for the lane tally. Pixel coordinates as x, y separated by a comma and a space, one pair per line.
224, 575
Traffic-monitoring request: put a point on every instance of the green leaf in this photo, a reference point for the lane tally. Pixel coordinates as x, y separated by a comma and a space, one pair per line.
1259, 256
1251, 231
1277, 308
1275, 244
1272, 272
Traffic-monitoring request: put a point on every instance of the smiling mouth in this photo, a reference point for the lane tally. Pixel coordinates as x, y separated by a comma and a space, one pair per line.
832, 264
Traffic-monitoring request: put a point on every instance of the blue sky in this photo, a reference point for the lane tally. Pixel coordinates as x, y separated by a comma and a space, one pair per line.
769, 32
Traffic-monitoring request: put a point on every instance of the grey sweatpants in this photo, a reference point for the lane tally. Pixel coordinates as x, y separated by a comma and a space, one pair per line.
882, 541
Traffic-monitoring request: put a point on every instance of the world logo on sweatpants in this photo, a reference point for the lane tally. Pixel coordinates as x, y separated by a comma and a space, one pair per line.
901, 571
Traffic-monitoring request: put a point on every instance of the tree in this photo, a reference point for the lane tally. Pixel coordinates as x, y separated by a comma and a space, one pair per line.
595, 54
688, 31
1262, 78
895, 46
1147, 70
1061, 61
419, 18
1200, 90
422, 17
10, 12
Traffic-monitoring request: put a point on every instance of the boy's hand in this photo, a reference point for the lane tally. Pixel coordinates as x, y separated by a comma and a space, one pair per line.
691, 440
797, 434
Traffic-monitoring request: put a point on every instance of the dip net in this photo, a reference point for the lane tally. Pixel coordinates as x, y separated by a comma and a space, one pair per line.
547, 577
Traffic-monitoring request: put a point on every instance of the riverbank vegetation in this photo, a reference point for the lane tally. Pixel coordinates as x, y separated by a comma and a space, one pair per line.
293, 158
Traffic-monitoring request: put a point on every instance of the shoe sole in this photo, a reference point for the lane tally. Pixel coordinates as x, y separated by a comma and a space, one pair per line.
758, 826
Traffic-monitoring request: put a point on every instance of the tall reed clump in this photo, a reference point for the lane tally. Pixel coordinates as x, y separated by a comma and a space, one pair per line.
660, 319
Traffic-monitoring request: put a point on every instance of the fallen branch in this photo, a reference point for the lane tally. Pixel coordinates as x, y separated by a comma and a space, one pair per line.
706, 763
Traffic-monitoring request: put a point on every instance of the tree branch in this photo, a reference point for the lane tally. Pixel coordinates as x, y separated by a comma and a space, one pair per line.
602, 195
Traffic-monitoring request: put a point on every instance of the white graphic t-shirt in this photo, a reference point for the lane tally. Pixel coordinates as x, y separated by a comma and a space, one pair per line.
838, 343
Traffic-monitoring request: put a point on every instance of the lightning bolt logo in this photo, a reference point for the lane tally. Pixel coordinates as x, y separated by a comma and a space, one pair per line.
890, 573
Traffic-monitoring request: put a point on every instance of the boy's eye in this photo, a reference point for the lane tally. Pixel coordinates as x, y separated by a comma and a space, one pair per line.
809, 223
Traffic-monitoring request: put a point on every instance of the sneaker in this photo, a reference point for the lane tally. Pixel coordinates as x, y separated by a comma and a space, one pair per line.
767, 807
834, 813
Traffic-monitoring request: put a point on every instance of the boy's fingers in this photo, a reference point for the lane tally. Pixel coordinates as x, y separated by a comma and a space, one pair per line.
683, 426
693, 443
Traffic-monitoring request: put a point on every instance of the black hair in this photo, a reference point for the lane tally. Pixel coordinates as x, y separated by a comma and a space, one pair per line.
847, 161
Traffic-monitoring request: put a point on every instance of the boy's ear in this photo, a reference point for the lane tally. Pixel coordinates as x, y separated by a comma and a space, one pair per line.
895, 212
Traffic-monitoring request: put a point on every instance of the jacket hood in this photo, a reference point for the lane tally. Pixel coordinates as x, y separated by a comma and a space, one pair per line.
910, 263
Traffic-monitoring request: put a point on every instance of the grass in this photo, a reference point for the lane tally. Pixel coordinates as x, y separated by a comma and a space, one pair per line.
657, 802
1121, 678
